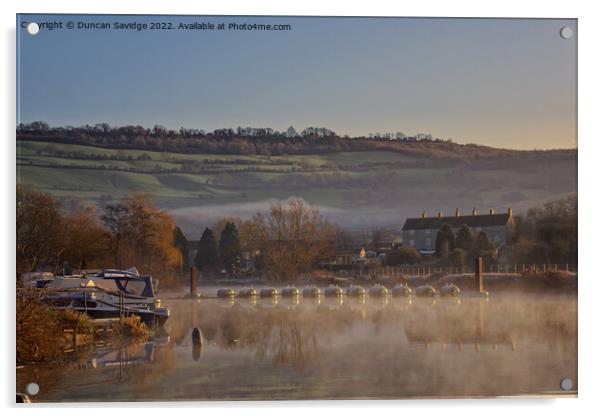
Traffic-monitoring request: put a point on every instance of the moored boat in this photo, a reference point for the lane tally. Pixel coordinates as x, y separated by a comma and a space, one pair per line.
333, 291
268, 292
109, 294
449, 289
378, 291
401, 291
311, 292
289, 292
356, 291
426, 291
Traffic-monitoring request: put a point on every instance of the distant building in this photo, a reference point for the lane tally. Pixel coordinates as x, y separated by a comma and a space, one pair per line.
345, 257
421, 232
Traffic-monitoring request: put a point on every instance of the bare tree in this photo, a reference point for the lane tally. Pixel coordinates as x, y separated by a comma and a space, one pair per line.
291, 237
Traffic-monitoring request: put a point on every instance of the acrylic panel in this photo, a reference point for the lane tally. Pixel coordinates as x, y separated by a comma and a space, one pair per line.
285, 208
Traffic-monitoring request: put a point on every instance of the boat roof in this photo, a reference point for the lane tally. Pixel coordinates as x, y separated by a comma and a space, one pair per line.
139, 286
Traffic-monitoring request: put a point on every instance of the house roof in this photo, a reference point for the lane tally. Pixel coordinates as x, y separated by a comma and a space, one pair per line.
434, 223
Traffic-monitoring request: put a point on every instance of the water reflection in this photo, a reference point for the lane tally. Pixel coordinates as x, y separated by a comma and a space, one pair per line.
339, 347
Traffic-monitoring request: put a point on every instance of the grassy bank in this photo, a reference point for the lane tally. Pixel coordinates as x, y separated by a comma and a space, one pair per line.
44, 333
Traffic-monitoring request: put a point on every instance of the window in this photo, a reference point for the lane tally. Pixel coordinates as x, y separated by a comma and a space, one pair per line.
412, 243
428, 232
496, 238
411, 232
428, 243
78, 303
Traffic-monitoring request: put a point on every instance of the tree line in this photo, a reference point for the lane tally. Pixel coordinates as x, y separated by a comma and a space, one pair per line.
285, 240
252, 141
63, 239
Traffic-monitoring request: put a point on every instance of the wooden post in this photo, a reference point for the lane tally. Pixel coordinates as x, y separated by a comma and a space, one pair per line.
121, 309
192, 281
478, 274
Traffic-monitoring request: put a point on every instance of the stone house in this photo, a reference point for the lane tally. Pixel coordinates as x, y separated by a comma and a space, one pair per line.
421, 232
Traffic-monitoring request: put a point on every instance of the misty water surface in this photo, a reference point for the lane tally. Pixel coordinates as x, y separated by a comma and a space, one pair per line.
319, 349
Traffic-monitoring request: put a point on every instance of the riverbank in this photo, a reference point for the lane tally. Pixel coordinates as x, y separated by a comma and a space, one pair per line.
44, 333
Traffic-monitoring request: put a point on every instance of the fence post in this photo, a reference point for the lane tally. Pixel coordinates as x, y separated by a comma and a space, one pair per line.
478, 274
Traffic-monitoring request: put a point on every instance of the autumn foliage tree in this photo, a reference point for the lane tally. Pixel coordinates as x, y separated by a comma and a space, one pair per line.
85, 240
142, 235
40, 229
548, 233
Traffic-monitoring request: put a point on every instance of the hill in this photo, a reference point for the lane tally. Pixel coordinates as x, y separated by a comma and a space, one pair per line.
362, 189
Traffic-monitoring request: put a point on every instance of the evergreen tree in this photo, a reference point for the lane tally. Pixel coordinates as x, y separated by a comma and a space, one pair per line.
484, 248
458, 257
445, 241
465, 239
483, 245
229, 247
403, 255
207, 256
181, 243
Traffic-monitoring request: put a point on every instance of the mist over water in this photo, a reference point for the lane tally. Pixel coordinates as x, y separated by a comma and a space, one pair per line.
332, 348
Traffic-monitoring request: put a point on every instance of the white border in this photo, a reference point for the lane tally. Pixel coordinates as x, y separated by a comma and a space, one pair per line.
590, 212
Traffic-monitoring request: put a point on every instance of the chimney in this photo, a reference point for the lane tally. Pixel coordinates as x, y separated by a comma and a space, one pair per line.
491, 211
423, 214
439, 214
474, 211
510, 211
457, 212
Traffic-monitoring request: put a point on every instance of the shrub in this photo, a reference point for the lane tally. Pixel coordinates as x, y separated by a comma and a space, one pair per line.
403, 255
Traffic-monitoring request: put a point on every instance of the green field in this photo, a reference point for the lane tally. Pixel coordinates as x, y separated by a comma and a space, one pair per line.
378, 186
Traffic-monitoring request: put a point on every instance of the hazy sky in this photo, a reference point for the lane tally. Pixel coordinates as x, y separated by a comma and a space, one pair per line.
504, 83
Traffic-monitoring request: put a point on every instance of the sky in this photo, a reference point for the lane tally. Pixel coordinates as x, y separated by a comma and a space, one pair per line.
507, 83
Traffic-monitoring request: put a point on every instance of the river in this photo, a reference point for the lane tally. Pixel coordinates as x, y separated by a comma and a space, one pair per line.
344, 348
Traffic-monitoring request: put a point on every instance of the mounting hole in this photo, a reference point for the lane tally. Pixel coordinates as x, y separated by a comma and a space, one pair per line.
566, 32
566, 384
33, 28
32, 389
